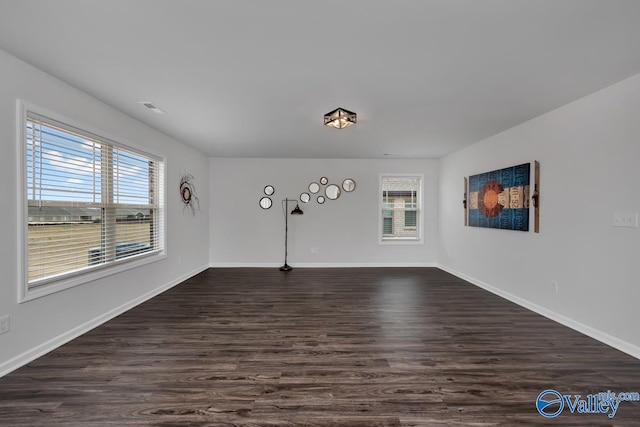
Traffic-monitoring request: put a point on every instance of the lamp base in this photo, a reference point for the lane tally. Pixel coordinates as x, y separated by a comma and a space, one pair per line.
286, 267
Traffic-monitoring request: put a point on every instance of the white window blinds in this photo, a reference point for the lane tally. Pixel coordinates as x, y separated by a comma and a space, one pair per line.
90, 201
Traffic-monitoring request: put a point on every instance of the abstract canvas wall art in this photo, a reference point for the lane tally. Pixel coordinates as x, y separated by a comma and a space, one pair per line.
500, 198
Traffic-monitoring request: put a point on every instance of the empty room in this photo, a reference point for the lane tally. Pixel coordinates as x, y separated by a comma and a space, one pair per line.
338, 213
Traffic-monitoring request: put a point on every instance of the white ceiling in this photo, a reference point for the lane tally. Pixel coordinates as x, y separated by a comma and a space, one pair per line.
253, 78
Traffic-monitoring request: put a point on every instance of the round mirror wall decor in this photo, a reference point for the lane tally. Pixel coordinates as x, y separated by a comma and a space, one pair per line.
321, 190
348, 185
332, 192
314, 187
265, 203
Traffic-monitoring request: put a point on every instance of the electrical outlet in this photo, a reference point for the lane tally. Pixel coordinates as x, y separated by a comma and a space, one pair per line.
315, 251
625, 219
554, 287
4, 324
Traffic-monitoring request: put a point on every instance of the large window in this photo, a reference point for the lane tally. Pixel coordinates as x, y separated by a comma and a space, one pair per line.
91, 204
400, 208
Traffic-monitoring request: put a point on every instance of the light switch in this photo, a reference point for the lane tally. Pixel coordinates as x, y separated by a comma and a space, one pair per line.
625, 219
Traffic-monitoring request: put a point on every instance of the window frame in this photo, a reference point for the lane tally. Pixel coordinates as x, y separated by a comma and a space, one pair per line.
384, 239
67, 281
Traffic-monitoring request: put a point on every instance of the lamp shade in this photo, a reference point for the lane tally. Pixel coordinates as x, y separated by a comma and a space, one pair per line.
297, 210
340, 118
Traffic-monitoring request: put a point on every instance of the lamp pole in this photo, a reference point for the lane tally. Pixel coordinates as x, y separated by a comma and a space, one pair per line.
295, 211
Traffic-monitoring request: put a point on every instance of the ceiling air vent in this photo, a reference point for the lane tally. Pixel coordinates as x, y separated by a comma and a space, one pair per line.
151, 107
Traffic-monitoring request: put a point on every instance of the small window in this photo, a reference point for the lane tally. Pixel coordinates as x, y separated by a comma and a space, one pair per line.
410, 220
387, 222
91, 204
400, 202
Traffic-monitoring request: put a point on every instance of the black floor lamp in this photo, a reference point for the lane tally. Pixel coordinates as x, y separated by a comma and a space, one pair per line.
295, 211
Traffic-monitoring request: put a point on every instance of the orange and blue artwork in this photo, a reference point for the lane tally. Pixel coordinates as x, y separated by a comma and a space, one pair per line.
500, 198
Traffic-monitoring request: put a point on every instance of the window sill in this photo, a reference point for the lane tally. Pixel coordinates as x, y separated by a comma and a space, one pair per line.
401, 241
48, 288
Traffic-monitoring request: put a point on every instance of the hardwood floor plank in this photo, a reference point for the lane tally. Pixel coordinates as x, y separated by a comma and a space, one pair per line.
396, 347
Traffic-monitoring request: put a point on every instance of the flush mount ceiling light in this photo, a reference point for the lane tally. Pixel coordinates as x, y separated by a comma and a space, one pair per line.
340, 118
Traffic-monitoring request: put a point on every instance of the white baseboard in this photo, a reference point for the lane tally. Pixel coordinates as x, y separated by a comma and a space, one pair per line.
44, 348
367, 265
596, 334
321, 265
243, 265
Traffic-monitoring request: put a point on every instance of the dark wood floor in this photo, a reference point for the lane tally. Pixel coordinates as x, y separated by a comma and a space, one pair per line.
319, 347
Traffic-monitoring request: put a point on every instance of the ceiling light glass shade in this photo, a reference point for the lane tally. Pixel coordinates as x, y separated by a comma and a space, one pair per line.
340, 118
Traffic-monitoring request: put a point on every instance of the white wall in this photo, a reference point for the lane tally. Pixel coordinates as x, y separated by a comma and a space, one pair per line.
589, 152
344, 230
39, 325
